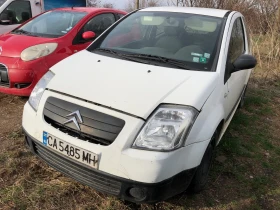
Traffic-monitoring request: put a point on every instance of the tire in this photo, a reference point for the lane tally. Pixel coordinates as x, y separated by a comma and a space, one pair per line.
242, 101
200, 178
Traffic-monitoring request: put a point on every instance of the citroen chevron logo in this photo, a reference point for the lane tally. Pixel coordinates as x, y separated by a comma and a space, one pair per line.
75, 117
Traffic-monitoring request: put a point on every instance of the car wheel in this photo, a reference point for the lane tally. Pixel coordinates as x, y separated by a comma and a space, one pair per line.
201, 176
242, 101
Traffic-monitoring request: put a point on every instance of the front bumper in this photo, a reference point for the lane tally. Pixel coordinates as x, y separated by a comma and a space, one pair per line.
23, 76
126, 189
156, 172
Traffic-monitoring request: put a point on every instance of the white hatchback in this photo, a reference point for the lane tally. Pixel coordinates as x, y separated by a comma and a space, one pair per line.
140, 111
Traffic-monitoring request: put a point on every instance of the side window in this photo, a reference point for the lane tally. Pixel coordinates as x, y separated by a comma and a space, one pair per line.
248, 33
237, 41
97, 24
16, 13
236, 46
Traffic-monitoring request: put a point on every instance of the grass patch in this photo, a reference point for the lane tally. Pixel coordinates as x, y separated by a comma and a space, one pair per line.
250, 148
16, 134
13, 194
260, 184
277, 151
258, 99
3, 157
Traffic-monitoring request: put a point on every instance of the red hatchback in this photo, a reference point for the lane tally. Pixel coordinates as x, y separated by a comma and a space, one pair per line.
28, 52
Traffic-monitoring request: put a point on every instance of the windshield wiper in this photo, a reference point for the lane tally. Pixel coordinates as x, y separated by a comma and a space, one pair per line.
165, 60
20, 31
124, 56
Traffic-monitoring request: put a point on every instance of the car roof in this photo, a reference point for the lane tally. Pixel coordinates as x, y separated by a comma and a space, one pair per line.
192, 10
86, 9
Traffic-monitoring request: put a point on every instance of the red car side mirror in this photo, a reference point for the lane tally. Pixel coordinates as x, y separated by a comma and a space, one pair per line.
88, 35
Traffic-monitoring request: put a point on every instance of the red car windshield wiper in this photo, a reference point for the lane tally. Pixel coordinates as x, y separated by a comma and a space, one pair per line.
20, 31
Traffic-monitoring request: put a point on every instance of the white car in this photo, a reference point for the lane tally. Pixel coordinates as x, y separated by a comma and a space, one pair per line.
138, 113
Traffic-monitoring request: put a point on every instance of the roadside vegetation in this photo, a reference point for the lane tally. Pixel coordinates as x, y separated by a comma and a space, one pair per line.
246, 170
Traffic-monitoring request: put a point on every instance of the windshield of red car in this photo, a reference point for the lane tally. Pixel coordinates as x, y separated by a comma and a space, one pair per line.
52, 24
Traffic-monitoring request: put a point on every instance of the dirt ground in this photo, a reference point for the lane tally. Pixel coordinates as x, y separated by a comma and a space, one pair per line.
245, 175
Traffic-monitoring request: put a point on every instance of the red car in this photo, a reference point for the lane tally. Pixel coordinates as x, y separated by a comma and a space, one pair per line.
27, 52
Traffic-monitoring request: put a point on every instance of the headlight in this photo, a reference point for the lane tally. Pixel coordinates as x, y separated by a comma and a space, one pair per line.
38, 51
167, 128
39, 89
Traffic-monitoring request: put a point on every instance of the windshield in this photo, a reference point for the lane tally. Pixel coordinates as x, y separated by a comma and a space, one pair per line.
188, 38
2, 2
52, 24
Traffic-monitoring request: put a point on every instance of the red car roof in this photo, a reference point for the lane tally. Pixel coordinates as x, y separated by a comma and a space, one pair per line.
88, 9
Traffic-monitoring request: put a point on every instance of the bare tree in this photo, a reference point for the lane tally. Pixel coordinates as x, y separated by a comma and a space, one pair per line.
258, 13
93, 3
131, 5
153, 3
98, 3
150, 3
108, 5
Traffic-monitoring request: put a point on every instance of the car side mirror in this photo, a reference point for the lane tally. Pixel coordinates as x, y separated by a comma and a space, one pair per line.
244, 62
88, 35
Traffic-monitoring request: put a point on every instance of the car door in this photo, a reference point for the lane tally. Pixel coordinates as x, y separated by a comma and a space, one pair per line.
235, 82
16, 13
97, 24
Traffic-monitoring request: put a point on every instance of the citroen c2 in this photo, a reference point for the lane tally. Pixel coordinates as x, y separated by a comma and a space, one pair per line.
139, 113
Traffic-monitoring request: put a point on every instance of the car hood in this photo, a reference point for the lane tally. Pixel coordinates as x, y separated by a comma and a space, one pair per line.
128, 86
12, 44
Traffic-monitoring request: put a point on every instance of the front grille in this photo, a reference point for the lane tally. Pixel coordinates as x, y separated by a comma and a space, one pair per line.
4, 77
97, 127
77, 171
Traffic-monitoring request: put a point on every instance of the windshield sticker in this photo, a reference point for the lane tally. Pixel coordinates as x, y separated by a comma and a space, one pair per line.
196, 54
207, 55
203, 60
148, 18
196, 59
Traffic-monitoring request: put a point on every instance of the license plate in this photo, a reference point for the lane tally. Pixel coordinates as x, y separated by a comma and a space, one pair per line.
71, 151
